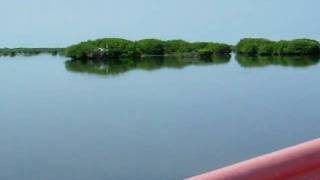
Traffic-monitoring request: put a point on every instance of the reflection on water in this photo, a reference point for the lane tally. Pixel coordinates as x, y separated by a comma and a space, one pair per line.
154, 63
290, 61
148, 63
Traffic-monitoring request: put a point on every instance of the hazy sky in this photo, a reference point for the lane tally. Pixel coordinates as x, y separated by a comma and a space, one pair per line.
49, 23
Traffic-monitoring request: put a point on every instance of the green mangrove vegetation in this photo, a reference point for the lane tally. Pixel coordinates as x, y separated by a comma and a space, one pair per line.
116, 52
111, 48
30, 51
116, 67
258, 52
153, 47
115, 48
214, 49
265, 47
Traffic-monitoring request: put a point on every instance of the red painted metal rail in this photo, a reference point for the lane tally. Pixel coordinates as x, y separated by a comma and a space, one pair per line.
294, 163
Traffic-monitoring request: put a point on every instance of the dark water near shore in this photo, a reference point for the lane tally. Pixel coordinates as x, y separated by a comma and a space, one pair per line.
164, 119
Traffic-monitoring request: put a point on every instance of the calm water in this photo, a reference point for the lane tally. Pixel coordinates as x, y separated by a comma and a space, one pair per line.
168, 119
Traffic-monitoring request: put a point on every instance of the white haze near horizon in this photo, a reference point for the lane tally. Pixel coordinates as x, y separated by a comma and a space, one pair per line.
59, 23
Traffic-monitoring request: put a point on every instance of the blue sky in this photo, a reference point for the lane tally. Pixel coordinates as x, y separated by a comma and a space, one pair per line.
50, 23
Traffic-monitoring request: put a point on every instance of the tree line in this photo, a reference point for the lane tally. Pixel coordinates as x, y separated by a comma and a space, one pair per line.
117, 48
114, 48
30, 51
265, 47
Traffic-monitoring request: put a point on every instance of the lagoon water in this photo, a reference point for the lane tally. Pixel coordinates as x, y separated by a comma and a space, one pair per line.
171, 119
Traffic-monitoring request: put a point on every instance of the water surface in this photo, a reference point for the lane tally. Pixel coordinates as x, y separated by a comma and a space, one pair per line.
164, 119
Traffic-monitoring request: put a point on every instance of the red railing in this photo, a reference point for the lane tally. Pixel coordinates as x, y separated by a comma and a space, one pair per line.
297, 162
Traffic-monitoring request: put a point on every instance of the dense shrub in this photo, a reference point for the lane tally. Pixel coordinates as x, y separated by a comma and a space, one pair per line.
202, 48
177, 46
212, 49
103, 48
251, 46
297, 47
113, 48
80, 51
151, 46
199, 45
219, 48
